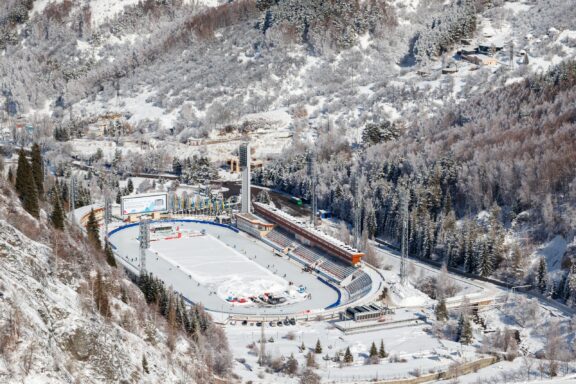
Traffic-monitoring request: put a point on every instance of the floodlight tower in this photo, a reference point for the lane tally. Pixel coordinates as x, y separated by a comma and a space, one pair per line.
358, 210
144, 244
404, 202
313, 181
244, 153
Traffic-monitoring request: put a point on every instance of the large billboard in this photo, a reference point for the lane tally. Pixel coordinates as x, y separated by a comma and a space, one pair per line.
138, 204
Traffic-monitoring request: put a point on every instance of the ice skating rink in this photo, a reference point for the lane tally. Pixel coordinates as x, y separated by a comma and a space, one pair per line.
228, 272
222, 265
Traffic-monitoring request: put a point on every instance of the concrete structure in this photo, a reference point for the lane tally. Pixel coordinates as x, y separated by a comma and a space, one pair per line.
309, 235
366, 312
245, 168
234, 164
196, 266
253, 225
450, 68
480, 59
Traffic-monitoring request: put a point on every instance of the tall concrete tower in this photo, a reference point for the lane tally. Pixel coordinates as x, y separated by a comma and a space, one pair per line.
245, 169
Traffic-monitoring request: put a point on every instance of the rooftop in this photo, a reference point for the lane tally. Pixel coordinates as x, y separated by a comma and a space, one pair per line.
307, 227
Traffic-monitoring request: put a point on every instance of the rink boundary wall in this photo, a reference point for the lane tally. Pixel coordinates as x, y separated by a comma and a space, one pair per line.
116, 230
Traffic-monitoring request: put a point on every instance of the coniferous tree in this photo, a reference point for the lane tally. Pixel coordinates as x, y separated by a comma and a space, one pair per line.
110, 259
10, 176
26, 186
144, 285
464, 333
38, 170
373, 350
93, 229
57, 216
318, 348
130, 186
441, 312
382, 351
177, 167
21, 173
484, 259
541, 277
348, 358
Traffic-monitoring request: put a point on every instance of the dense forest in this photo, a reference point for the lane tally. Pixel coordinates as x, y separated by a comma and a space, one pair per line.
479, 171
325, 25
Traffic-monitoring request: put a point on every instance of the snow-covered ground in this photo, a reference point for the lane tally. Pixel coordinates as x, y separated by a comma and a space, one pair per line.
418, 348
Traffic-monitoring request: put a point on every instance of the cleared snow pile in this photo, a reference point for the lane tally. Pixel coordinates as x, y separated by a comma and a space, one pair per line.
404, 295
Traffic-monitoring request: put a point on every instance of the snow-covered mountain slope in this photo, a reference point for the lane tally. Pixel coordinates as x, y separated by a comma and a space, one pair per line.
193, 67
188, 73
50, 330
106, 10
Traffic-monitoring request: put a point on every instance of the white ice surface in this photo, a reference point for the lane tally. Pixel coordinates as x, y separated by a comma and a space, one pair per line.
215, 264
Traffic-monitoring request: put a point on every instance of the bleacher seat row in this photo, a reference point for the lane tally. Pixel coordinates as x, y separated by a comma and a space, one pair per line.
359, 285
311, 256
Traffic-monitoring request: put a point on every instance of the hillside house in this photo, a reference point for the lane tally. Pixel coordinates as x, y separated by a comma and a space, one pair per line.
480, 60
450, 68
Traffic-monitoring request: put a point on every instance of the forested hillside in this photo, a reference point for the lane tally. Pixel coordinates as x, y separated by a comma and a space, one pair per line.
180, 70
68, 314
489, 141
478, 175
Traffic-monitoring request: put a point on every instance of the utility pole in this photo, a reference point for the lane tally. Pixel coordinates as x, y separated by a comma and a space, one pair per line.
404, 201
144, 244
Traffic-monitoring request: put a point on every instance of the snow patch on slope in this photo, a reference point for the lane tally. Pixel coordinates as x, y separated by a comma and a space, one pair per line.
553, 252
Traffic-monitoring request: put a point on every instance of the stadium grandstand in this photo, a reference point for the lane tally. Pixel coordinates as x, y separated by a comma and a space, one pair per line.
359, 286
309, 234
307, 246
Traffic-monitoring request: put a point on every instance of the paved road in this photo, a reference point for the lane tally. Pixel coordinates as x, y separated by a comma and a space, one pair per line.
491, 289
